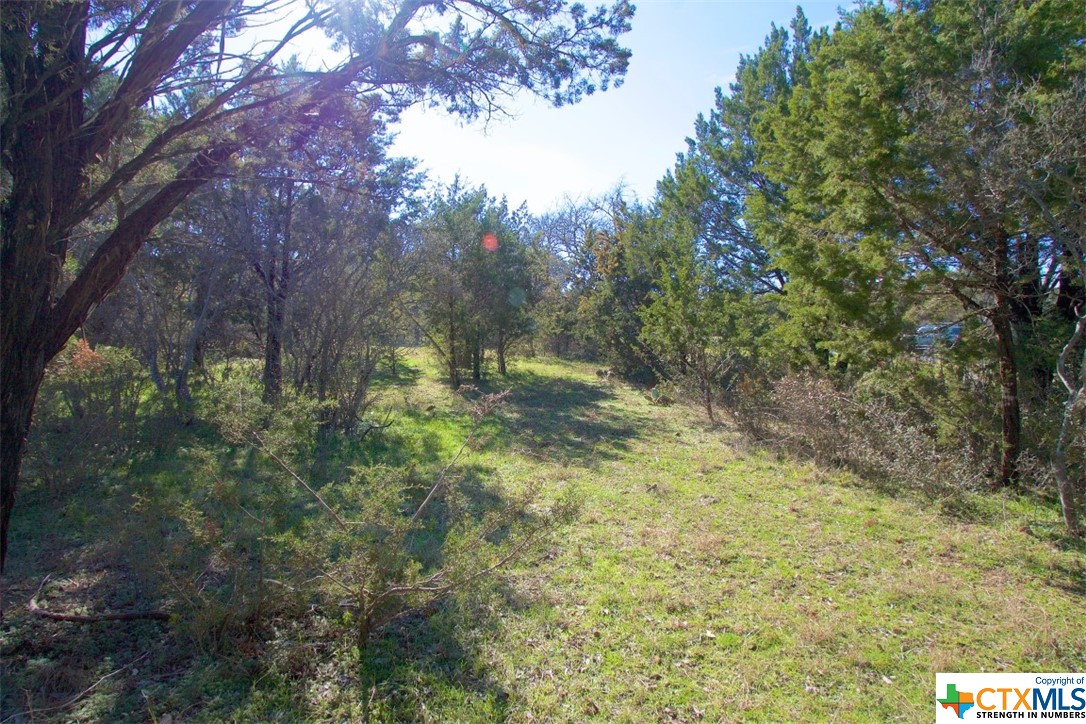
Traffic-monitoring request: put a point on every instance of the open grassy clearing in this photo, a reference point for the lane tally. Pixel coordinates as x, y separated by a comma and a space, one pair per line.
700, 581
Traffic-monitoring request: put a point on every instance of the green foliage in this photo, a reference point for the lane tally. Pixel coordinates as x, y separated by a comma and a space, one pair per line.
63, 123
880, 151
480, 282
718, 176
561, 54
623, 258
953, 397
95, 384
702, 332
89, 409
674, 519
887, 156
556, 321
273, 513
921, 164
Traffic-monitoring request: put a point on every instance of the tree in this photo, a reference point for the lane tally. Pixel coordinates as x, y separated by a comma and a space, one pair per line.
346, 294
718, 286
898, 169
276, 210
564, 240
513, 287
618, 282
1057, 191
180, 286
712, 182
699, 329
475, 288
77, 74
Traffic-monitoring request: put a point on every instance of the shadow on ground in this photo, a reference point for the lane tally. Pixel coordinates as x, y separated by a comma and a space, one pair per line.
562, 420
425, 660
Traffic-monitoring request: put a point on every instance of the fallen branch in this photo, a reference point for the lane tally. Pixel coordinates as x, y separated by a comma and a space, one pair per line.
378, 426
77, 697
37, 610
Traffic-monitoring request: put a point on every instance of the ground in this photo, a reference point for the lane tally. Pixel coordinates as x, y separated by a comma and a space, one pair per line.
702, 579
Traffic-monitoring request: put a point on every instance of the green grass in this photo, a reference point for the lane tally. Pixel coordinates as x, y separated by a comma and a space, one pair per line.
701, 580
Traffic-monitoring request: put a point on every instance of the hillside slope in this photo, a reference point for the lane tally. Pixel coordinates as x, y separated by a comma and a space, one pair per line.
702, 580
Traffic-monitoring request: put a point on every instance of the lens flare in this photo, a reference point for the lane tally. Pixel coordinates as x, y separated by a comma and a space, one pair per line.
490, 242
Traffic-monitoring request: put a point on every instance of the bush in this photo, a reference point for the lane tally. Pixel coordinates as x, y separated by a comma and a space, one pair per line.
86, 413
837, 424
93, 386
243, 537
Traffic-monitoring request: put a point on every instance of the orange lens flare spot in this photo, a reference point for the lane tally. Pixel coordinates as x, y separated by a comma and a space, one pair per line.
490, 242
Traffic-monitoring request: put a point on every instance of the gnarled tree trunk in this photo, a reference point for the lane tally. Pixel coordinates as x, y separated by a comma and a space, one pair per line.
1009, 406
1070, 492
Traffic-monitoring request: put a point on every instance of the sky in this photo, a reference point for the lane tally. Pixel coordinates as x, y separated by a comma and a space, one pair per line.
682, 51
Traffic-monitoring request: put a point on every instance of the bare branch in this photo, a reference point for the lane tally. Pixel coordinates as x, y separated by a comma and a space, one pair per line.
1063, 371
37, 610
287, 469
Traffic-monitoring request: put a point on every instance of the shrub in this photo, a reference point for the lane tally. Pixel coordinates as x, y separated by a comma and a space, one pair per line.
86, 413
850, 426
243, 539
85, 385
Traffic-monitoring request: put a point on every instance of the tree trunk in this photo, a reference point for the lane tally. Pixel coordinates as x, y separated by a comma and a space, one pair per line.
1072, 419
277, 286
1068, 494
1011, 434
273, 347
705, 379
28, 276
501, 355
477, 359
46, 173
450, 358
708, 393
185, 405
152, 367
33, 331
21, 379
193, 354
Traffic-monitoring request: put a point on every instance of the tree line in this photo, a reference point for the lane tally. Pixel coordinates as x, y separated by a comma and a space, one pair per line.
186, 206
116, 114
919, 165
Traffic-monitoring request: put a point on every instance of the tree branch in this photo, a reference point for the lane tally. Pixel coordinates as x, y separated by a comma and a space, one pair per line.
107, 266
37, 610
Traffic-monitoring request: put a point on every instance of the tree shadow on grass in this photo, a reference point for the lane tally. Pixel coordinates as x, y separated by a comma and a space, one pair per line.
562, 420
1068, 578
47, 663
61, 670
1066, 573
407, 374
422, 655
468, 497
421, 665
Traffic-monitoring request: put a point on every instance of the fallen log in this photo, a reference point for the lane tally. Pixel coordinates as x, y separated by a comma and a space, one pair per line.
37, 610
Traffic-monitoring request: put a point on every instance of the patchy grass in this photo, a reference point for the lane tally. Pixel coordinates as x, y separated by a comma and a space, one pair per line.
701, 581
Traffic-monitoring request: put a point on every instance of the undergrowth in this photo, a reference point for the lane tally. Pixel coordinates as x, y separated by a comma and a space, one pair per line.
701, 580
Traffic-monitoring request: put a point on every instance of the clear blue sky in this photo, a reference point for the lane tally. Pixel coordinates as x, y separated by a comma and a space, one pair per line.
682, 50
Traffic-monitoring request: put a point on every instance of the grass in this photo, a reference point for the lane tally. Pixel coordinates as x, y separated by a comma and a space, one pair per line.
701, 581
